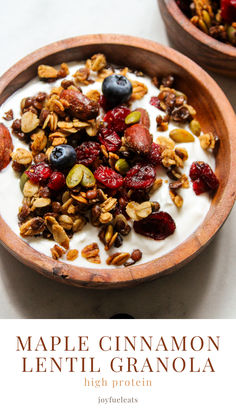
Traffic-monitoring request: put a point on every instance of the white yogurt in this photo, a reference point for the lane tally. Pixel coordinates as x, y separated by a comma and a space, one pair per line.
187, 218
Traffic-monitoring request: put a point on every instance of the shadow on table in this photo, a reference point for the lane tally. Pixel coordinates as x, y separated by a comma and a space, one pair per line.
178, 295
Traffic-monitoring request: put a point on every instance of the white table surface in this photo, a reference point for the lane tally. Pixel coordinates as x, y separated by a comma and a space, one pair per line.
206, 287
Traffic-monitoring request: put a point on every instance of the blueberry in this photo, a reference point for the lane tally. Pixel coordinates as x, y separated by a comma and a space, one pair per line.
63, 156
117, 89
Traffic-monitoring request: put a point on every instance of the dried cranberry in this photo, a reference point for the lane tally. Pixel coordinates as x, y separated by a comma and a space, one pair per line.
87, 152
108, 177
141, 176
154, 156
199, 186
110, 139
157, 226
57, 181
116, 118
103, 103
154, 101
228, 10
203, 177
39, 172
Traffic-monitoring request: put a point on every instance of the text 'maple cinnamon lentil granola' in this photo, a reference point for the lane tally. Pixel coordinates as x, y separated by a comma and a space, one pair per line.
111, 161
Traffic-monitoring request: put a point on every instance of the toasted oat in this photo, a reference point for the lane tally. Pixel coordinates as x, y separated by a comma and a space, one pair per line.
93, 95
166, 142
22, 156
39, 141
170, 158
138, 211
29, 122
47, 72
41, 203
30, 189
109, 204
65, 221
156, 185
177, 199
98, 62
139, 90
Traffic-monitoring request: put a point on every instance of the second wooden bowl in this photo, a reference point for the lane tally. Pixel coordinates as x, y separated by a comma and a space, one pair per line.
202, 48
214, 113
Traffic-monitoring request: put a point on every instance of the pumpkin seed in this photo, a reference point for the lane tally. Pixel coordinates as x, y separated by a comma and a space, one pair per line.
206, 18
180, 135
195, 127
88, 180
203, 26
75, 175
231, 32
122, 166
23, 180
133, 117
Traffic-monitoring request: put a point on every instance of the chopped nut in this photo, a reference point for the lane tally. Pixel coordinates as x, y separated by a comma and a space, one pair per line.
32, 227
138, 211
103, 74
118, 259
8, 115
72, 254
177, 199
182, 153
82, 76
207, 141
29, 122
91, 253
57, 252
39, 141
156, 185
57, 231
22, 156
185, 181
139, 90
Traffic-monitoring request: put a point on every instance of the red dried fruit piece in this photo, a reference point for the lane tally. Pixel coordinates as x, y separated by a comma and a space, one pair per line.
201, 171
157, 226
154, 101
141, 176
57, 181
154, 156
108, 177
199, 187
39, 172
103, 103
144, 119
138, 138
228, 10
110, 139
80, 106
115, 118
87, 153
6, 146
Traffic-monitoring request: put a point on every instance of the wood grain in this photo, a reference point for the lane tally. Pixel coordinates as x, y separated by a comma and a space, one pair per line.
202, 48
215, 113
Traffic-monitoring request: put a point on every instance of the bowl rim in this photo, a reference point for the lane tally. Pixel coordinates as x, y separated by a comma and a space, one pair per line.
128, 276
196, 33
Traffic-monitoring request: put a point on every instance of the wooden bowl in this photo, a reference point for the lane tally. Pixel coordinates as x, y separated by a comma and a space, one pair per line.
202, 48
214, 113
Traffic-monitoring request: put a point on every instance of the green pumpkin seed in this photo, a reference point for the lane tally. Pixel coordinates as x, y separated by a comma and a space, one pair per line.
88, 180
206, 18
122, 166
75, 175
133, 117
23, 180
231, 32
202, 25
195, 127
180, 135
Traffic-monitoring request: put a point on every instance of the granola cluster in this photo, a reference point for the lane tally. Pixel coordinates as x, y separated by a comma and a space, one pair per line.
89, 161
214, 17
